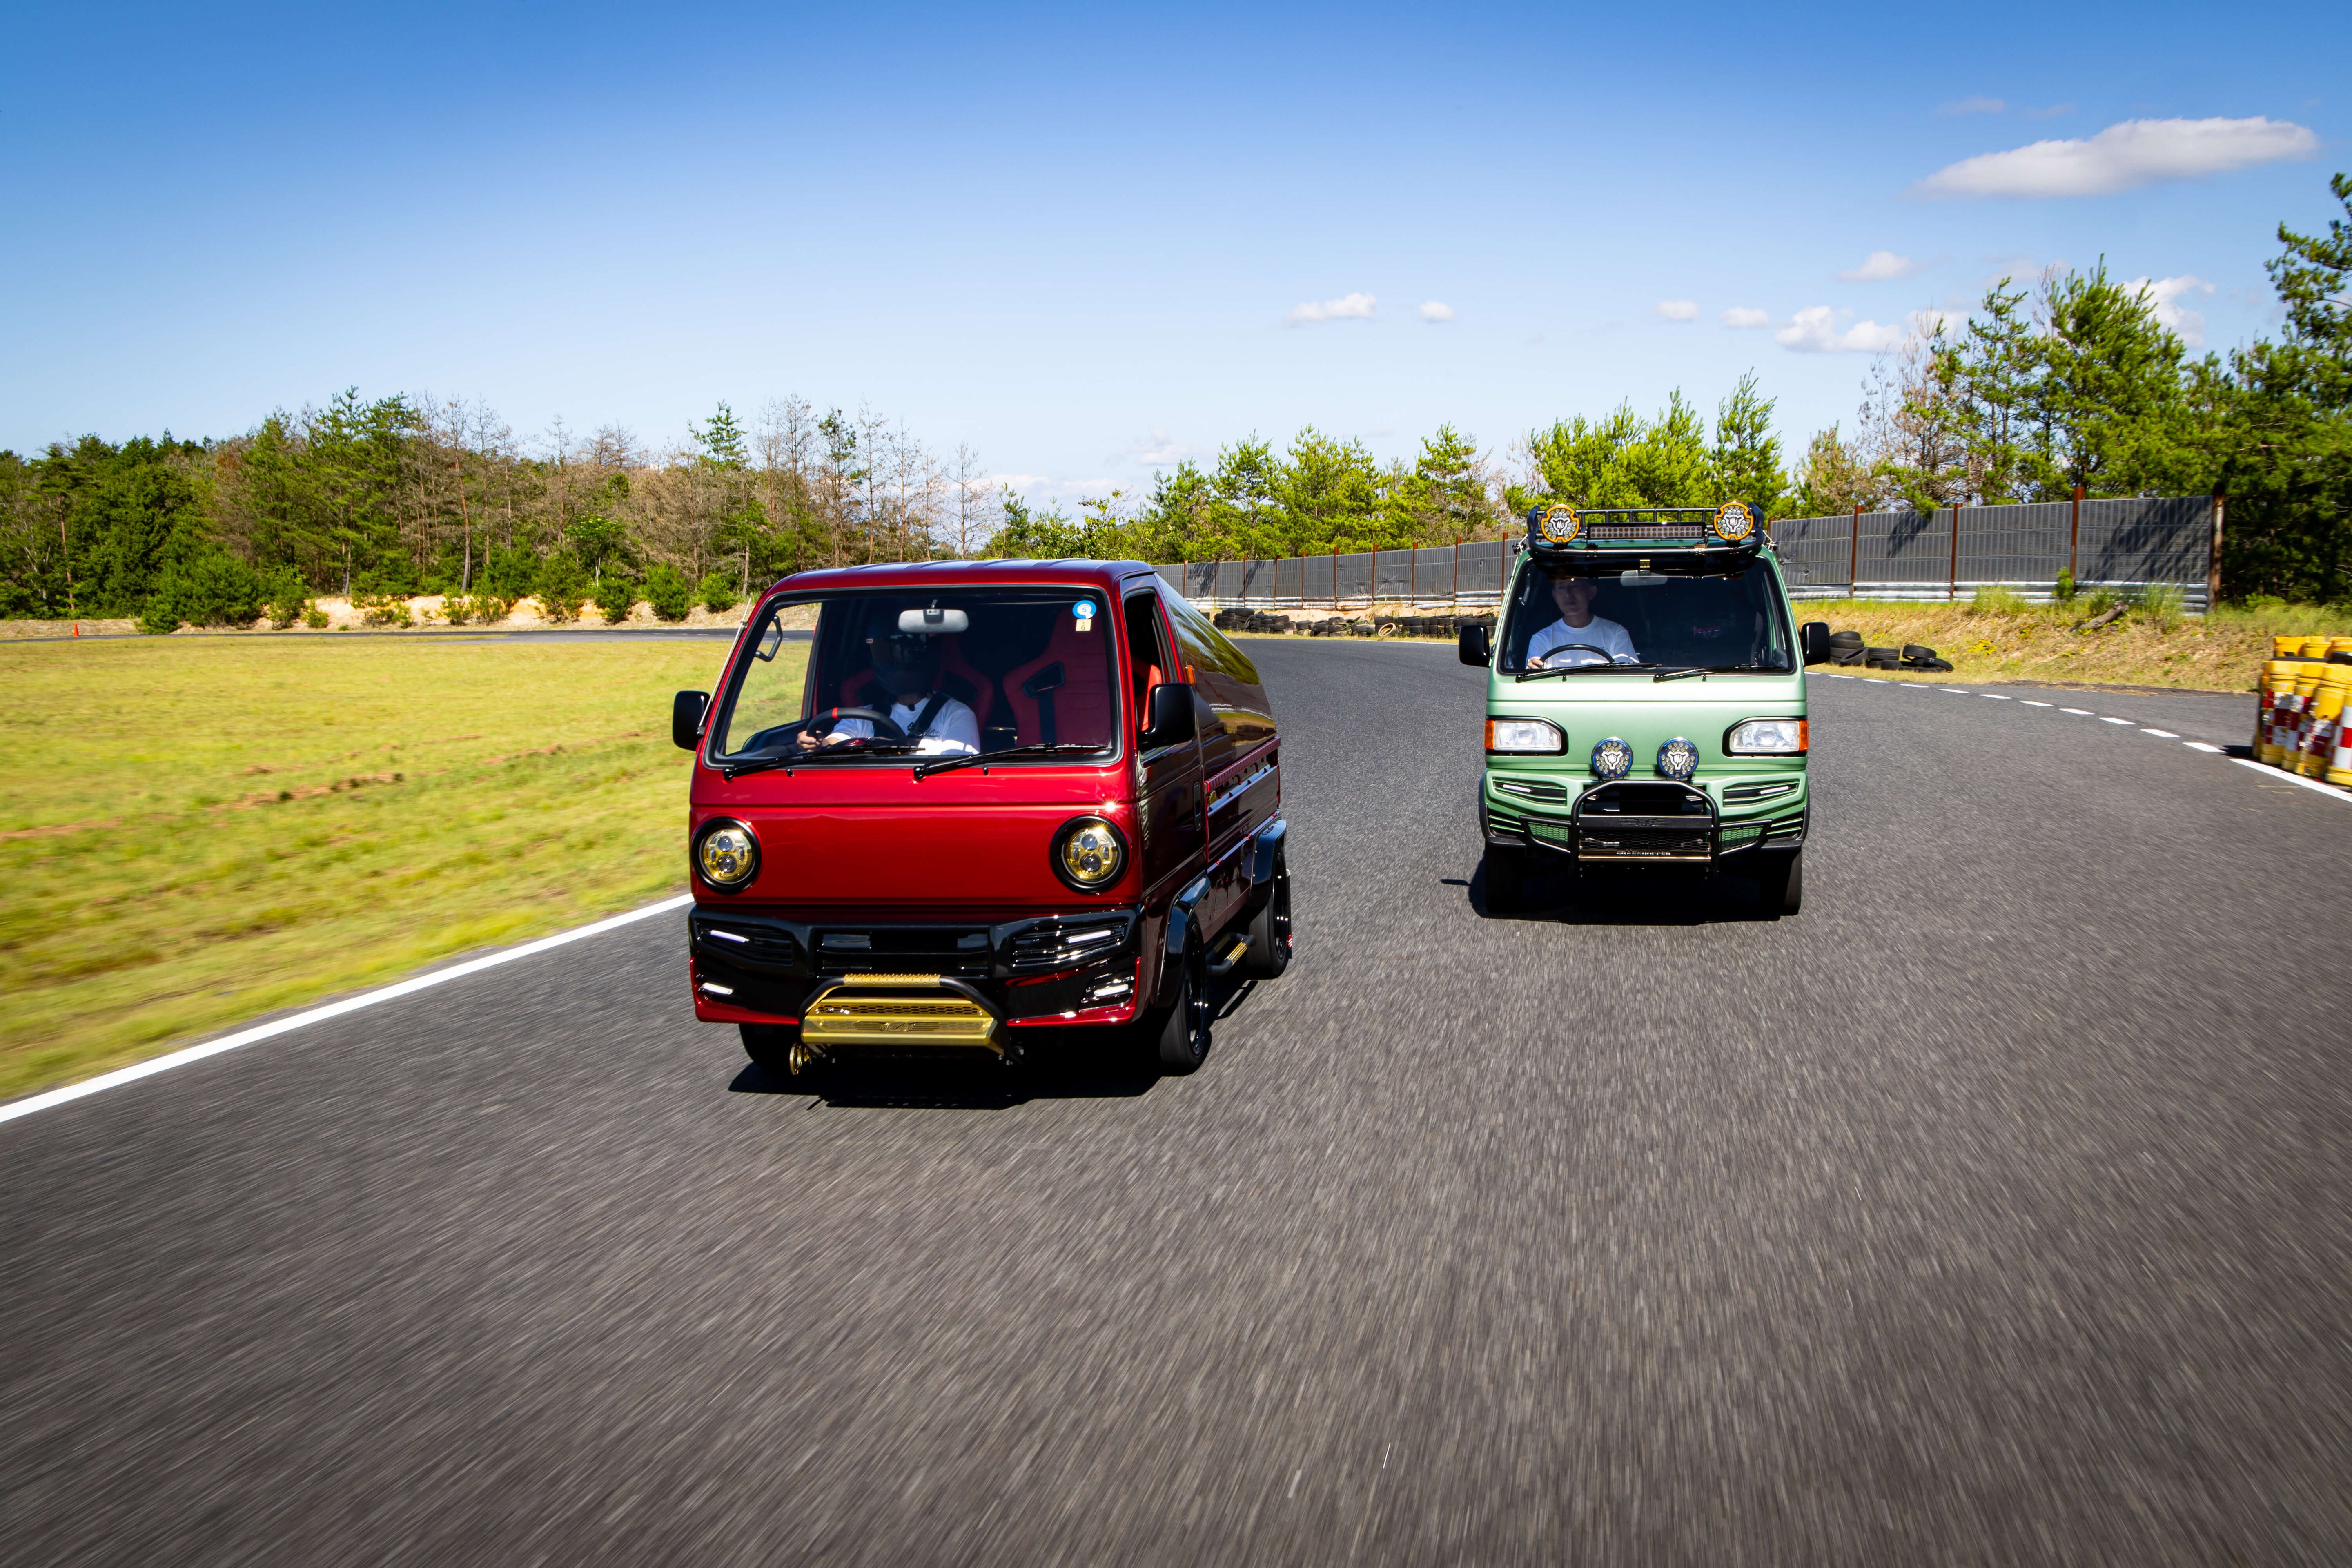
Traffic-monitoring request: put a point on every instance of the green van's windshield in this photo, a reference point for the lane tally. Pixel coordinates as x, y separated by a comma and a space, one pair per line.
1669, 616
897, 678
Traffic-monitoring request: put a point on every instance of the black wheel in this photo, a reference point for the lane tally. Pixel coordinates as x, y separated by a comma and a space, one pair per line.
1781, 884
1180, 1032
1269, 930
1506, 871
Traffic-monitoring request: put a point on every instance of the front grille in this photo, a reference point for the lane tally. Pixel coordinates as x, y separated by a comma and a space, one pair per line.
1740, 833
1533, 789
1049, 947
1559, 833
1733, 795
1659, 843
883, 1021
904, 950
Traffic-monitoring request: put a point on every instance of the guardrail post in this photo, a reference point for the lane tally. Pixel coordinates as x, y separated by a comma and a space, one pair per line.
1954, 593
2213, 561
1854, 561
2075, 540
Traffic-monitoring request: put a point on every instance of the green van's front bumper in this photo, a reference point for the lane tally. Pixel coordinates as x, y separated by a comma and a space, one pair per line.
1645, 820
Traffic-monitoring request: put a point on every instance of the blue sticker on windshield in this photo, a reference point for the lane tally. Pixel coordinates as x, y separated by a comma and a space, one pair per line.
1084, 610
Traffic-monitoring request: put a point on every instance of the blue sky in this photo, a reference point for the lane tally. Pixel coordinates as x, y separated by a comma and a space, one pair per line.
1079, 239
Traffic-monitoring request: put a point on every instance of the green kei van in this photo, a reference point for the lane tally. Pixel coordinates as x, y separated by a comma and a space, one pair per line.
1645, 703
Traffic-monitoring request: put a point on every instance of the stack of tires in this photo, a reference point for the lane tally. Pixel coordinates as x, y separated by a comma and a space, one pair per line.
1846, 647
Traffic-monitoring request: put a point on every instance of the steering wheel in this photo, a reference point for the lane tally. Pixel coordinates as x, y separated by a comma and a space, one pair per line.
885, 727
1606, 656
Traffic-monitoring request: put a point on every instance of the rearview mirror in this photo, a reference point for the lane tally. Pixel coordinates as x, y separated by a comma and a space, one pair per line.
1473, 646
685, 710
933, 622
1813, 639
1172, 718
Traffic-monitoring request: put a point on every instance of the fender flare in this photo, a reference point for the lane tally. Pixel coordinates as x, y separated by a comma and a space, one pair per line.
1261, 863
1180, 926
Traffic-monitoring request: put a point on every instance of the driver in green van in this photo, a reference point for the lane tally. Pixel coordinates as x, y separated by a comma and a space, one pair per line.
1578, 637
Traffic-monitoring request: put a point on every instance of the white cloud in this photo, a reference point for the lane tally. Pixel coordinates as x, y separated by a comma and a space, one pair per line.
1157, 449
1978, 105
1879, 267
2176, 317
1678, 310
1817, 329
1741, 316
1436, 311
2123, 157
1347, 308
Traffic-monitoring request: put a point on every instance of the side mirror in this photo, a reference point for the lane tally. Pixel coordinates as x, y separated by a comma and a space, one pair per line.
685, 712
1473, 645
1170, 714
1814, 639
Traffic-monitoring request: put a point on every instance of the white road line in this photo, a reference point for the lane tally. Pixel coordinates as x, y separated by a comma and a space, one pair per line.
2166, 733
1995, 696
1953, 689
1834, 675
150, 1067
2105, 720
2201, 746
2330, 790
2078, 712
2030, 703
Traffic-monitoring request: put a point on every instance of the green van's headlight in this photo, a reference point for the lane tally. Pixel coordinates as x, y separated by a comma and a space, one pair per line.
727, 855
1089, 854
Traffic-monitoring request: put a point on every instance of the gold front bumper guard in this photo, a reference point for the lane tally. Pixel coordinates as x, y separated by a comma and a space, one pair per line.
931, 1010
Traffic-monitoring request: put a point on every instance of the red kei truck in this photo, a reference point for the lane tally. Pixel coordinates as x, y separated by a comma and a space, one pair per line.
950, 804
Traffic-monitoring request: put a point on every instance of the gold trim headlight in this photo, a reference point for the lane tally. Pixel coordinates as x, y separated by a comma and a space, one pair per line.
1733, 521
727, 855
1089, 853
1560, 524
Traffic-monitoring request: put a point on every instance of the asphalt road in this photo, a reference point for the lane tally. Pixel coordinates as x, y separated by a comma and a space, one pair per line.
1994, 1209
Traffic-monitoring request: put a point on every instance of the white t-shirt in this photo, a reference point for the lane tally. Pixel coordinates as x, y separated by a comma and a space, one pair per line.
954, 731
1599, 633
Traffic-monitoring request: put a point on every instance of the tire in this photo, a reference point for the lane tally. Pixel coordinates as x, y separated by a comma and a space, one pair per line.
1180, 1032
1506, 871
1269, 929
1779, 884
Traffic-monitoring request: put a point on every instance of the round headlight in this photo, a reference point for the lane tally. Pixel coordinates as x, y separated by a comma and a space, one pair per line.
1612, 759
1089, 854
1733, 522
727, 855
1677, 760
1560, 524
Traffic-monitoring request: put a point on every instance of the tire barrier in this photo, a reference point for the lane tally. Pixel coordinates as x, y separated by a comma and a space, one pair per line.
2301, 725
1911, 655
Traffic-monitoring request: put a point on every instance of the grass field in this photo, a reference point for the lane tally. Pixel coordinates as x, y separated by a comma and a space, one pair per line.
194, 831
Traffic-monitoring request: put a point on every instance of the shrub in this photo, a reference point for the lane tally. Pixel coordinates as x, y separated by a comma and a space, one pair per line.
511, 574
289, 599
615, 595
214, 589
563, 586
315, 618
668, 593
2160, 604
2063, 589
716, 591
383, 610
1992, 599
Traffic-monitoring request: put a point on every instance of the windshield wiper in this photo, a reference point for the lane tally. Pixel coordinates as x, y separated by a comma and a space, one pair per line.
1582, 669
734, 771
1042, 749
1682, 674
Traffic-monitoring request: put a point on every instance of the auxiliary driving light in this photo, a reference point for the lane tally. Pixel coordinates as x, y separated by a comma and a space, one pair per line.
1766, 738
1677, 760
727, 855
1612, 759
1089, 854
1560, 524
1733, 522
1525, 735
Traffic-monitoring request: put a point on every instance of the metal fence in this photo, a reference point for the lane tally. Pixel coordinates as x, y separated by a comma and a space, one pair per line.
1470, 573
1948, 553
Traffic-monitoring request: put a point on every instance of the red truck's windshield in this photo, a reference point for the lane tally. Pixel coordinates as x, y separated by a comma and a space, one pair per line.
894, 676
